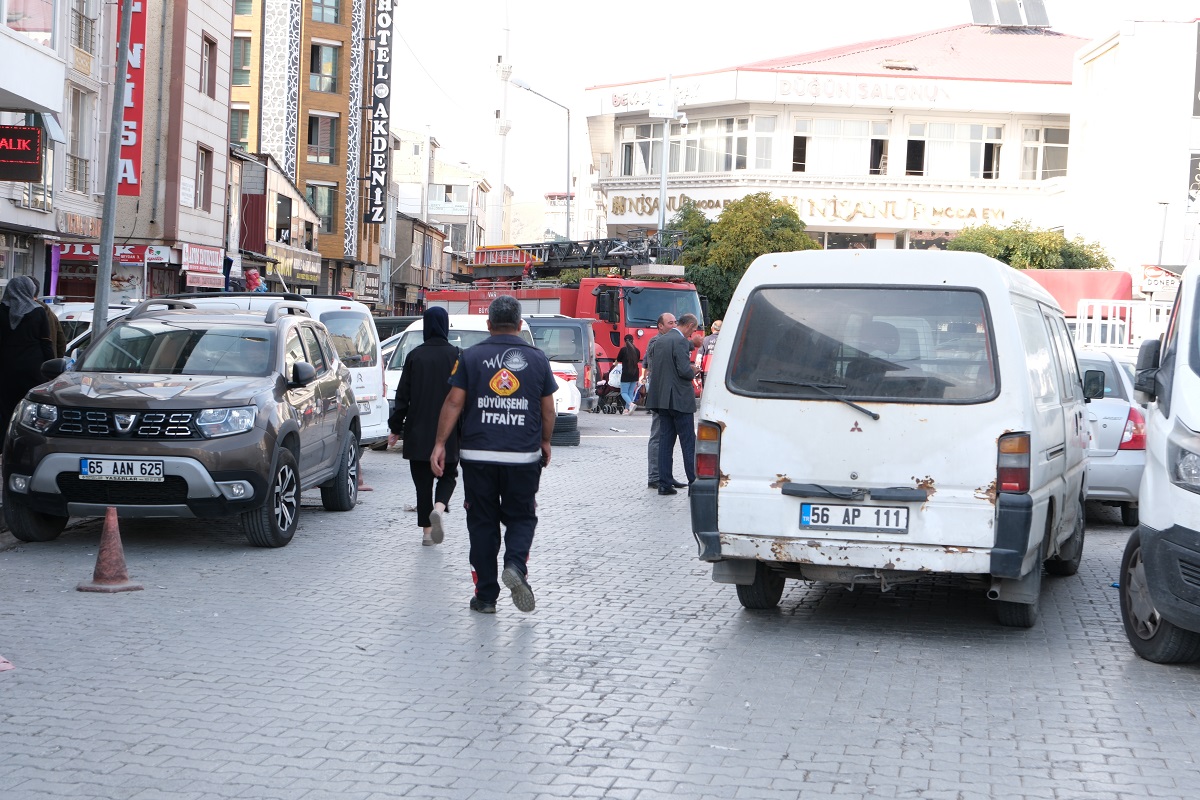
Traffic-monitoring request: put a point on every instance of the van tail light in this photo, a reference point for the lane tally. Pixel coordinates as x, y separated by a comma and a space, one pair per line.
1012, 463
587, 376
708, 451
1134, 437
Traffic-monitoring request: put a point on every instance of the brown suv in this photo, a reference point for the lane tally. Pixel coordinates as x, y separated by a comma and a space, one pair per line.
186, 412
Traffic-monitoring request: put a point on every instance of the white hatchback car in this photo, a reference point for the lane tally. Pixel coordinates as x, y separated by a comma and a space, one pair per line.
1117, 450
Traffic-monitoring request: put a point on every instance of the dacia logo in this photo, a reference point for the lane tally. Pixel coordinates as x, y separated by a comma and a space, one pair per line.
124, 421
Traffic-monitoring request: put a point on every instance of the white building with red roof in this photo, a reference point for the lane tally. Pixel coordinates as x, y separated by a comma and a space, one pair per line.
892, 143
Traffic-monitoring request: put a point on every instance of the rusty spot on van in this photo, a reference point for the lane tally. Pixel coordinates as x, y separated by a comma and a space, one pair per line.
780, 480
778, 550
987, 493
926, 485
954, 549
890, 565
724, 480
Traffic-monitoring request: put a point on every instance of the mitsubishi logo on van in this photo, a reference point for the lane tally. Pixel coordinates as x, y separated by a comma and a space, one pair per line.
855, 428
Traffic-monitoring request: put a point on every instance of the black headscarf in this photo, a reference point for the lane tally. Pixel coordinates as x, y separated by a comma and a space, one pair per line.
436, 324
20, 295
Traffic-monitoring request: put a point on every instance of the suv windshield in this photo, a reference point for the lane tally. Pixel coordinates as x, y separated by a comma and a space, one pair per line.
912, 345
352, 337
458, 338
645, 307
161, 347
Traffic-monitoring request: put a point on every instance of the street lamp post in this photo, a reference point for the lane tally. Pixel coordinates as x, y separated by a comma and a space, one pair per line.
667, 111
520, 84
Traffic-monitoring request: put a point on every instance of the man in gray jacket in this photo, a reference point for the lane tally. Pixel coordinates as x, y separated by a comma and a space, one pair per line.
673, 398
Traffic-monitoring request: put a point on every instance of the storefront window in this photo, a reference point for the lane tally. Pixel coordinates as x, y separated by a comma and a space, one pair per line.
929, 240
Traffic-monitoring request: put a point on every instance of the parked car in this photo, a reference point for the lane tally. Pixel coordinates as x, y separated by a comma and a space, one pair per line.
1160, 569
352, 331
1117, 449
181, 411
390, 326
879, 416
568, 340
76, 318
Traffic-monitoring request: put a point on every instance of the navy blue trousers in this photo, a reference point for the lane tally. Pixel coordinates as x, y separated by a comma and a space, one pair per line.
498, 494
676, 424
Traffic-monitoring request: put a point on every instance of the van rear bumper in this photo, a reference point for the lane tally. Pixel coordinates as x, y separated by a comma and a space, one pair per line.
898, 556
1172, 561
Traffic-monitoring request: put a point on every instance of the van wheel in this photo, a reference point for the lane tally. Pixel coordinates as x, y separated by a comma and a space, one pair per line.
766, 590
1011, 614
341, 493
1151, 636
1129, 514
32, 526
273, 524
1074, 545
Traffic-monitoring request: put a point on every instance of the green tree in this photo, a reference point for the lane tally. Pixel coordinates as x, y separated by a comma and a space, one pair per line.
1024, 247
717, 253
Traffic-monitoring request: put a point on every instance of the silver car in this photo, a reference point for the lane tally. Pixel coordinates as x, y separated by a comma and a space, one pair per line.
1117, 452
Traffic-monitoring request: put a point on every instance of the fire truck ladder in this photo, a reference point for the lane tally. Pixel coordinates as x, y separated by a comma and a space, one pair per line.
548, 259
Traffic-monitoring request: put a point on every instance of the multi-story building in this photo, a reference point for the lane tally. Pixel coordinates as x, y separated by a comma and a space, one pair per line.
1135, 162
57, 58
299, 70
893, 143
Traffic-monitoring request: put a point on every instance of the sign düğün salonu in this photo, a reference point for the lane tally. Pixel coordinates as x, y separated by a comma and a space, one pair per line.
824, 208
381, 89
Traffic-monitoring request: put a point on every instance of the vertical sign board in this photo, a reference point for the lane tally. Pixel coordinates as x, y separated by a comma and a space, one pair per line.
129, 174
381, 89
1193, 203
1196, 86
20, 153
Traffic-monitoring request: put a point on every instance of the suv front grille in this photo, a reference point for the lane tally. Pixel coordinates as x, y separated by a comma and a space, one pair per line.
103, 424
171, 491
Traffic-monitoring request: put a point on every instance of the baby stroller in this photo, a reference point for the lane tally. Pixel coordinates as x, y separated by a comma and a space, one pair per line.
609, 395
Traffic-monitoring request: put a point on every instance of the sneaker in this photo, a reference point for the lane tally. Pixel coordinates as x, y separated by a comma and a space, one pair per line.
481, 607
436, 532
522, 593
426, 540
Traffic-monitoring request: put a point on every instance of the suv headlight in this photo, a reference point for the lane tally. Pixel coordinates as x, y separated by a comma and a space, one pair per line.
216, 422
37, 416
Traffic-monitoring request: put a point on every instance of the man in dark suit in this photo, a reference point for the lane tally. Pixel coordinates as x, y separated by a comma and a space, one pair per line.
673, 398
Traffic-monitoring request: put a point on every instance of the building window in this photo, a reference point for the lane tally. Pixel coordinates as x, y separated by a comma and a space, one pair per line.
1044, 153
323, 68
320, 197
326, 11
840, 146
83, 27
283, 219
208, 66
239, 127
641, 149
243, 7
40, 194
241, 61
322, 139
78, 162
34, 19
764, 139
204, 168
954, 150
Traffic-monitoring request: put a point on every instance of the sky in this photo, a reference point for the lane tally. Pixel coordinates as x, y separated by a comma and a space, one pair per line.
445, 79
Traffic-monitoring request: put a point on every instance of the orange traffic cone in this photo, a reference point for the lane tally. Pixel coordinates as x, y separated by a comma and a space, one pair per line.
110, 574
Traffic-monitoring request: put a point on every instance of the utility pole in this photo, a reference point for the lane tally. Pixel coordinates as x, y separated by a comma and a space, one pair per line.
108, 220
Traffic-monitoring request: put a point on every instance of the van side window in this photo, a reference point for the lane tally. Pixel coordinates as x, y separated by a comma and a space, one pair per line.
1072, 382
1043, 380
1168, 356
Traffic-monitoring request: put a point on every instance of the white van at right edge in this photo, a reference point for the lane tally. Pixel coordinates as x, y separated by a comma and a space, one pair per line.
882, 415
1160, 571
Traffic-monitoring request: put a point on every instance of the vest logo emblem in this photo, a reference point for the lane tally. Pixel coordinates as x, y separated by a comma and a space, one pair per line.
504, 383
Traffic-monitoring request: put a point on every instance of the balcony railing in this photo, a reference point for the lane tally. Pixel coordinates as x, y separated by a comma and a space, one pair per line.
77, 174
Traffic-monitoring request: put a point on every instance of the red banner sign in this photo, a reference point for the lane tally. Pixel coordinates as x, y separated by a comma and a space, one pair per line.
81, 252
129, 176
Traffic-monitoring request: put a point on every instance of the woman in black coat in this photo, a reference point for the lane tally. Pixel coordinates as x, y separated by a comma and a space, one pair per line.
424, 384
24, 344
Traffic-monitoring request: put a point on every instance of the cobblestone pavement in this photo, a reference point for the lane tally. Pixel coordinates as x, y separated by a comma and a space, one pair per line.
348, 666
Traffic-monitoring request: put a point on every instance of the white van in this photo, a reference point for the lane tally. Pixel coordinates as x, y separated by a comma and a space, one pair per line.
877, 416
1160, 571
352, 330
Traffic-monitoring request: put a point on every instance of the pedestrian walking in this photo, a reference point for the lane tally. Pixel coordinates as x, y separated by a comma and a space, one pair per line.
630, 358
24, 344
503, 391
665, 323
424, 384
706, 349
58, 337
673, 398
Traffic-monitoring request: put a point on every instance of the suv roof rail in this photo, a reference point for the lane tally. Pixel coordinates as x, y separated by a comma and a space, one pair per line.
278, 309
203, 295
144, 307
